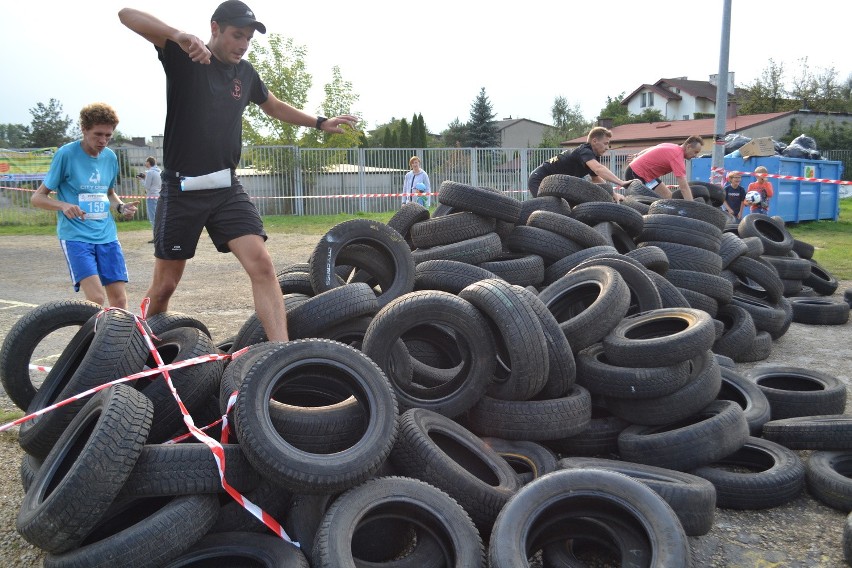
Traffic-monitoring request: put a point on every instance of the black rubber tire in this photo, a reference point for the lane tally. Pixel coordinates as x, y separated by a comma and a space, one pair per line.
644, 295
541, 242
592, 213
587, 304
821, 280
530, 460
407, 215
829, 478
407, 501
795, 391
731, 247
739, 331
755, 405
600, 438
296, 469
476, 347
759, 350
775, 476
471, 251
847, 296
437, 450
615, 236
532, 420
748, 269
563, 266
549, 204
485, 201
660, 337
803, 249
692, 209
570, 228
519, 269
116, 350
187, 469
701, 389
448, 275
259, 550
26, 334
523, 362
767, 317
451, 228
362, 231
811, 432
331, 308
669, 294
167, 321
819, 311
523, 523
562, 368
651, 257
143, 532
789, 268
687, 257
709, 435
774, 236
89, 464
692, 498
194, 384
572, 189
602, 378
683, 230
716, 287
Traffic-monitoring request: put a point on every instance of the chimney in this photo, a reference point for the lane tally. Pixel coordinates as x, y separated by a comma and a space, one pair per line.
605, 122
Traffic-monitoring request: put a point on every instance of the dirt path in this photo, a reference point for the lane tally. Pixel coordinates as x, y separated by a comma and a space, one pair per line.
216, 291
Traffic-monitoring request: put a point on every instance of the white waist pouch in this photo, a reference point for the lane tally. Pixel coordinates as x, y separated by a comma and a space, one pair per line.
216, 180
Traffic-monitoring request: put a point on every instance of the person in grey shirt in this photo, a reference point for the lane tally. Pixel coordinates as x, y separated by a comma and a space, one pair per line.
152, 182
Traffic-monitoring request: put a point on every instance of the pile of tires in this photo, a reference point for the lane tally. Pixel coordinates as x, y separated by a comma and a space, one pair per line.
486, 384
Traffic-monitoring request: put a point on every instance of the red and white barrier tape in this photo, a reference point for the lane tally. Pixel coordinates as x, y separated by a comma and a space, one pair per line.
725, 173
214, 446
41, 368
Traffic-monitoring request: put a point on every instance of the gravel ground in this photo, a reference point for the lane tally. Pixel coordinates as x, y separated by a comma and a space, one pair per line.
802, 533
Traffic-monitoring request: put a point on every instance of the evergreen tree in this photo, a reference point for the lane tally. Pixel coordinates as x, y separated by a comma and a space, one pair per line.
423, 138
481, 129
48, 128
404, 134
14, 136
387, 138
455, 134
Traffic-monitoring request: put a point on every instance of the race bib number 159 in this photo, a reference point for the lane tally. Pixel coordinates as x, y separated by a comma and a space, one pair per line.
94, 205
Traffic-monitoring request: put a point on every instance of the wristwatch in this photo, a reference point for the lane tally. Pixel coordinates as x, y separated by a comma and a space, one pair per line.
120, 208
320, 120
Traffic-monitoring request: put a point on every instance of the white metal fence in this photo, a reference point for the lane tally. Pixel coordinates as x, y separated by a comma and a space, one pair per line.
288, 180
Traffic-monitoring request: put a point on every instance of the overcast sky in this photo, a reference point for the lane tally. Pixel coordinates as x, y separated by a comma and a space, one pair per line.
427, 57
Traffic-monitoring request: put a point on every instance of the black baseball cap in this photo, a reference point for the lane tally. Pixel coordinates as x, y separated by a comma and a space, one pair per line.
236, 13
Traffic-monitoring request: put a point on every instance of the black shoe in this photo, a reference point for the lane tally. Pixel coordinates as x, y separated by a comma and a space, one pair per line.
151, 241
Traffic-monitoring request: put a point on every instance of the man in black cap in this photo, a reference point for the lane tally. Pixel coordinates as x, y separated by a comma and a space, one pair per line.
207, 89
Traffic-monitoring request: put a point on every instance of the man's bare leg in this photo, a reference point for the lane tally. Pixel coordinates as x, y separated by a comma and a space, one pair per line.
268, 299
167, 275
117, 295
92, 288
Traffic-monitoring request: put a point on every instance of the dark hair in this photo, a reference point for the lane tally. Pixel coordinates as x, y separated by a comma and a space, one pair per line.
151, 160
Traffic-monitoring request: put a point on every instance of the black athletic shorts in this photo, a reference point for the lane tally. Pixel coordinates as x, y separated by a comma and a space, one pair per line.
226, 213
629, 174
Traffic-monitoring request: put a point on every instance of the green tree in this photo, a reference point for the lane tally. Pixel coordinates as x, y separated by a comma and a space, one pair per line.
281, 63
827, 135
647, 115
481, 129
568, 122
767, 93
48, 128
339, 99
404, 134
14, 136
614, 110
455, 134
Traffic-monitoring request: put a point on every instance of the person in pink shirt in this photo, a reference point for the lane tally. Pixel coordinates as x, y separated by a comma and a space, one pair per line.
649, 165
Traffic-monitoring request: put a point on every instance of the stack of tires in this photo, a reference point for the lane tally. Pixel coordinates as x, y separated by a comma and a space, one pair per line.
490, 383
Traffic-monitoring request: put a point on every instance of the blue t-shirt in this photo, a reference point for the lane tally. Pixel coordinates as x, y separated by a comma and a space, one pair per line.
78, 178
734, 196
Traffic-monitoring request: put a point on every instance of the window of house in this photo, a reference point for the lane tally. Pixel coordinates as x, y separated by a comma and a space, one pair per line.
650, 99
686, 117
644, 100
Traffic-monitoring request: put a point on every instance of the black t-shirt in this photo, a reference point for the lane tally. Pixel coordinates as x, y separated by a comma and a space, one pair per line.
204, 114
572, 163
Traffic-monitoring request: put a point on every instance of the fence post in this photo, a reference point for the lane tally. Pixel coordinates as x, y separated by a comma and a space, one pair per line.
474, 174
298, 189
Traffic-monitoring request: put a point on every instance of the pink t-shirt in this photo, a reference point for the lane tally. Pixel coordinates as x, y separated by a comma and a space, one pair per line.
660, 160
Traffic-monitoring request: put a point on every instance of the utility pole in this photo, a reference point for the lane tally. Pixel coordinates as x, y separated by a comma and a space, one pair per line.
718, 160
